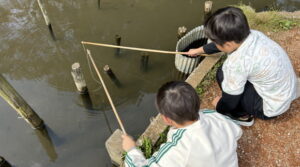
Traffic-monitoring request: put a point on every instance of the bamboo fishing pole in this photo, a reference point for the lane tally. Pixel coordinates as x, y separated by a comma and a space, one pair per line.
137, 49
106, 91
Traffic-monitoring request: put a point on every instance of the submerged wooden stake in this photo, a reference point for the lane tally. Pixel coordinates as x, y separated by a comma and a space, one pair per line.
99, 4
47, 143
207, 9
46, 18
106, 91
12, 97
181, 32
111, 75
144, 61
79, 78
118, 43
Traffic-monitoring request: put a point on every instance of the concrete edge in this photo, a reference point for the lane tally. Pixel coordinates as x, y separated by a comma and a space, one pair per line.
114, 143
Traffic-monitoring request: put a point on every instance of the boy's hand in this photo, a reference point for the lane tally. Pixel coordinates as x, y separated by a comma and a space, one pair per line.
215, 101
128, 143
193, 52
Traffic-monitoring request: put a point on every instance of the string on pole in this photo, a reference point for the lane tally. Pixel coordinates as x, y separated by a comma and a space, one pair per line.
88, 52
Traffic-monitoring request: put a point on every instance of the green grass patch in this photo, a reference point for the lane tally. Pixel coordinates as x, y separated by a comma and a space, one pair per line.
147, 148
269, 21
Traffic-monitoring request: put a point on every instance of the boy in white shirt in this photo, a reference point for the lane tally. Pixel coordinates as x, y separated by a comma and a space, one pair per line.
257, 79
204, 138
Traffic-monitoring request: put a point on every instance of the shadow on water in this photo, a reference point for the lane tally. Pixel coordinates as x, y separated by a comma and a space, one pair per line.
86, 102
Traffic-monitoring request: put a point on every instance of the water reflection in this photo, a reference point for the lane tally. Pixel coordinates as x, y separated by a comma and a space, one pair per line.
86, 101
46, 142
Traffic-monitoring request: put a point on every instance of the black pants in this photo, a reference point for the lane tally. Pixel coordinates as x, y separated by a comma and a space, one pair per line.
250, 103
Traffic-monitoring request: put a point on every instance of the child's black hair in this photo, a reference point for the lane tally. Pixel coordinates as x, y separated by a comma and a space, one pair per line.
227, 24
179, 101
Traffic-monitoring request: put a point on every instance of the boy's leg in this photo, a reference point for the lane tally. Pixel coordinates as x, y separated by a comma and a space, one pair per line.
250, 104
238, 111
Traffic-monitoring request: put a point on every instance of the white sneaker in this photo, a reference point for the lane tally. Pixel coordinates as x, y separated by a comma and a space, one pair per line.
248, 122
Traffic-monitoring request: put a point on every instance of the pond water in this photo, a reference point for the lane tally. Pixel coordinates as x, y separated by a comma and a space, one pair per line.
39, 69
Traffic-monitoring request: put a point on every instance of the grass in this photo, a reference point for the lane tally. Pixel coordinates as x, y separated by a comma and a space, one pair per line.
147, 148
268, 21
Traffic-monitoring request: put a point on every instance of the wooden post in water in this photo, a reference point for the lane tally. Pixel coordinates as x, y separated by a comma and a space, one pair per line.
79, 78
144, 61
47, 20
207, 9
111, 75
118, 42
99, 3
181, 32
4, 163
11, 96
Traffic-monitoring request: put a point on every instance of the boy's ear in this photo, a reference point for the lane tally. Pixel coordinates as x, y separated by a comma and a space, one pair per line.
167, 120
228, 44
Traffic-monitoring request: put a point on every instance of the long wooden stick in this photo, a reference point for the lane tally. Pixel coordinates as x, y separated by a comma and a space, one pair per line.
106, 91
138, 49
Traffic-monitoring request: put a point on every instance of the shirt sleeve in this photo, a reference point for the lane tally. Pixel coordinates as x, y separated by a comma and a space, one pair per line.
135, 158
235, 78
168, 155
210, 48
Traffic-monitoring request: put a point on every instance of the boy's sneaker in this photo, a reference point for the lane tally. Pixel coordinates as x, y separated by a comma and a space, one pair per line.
243, 121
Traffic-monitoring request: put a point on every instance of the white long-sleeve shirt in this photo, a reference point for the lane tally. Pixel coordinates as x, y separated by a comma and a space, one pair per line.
266, 65
209, 142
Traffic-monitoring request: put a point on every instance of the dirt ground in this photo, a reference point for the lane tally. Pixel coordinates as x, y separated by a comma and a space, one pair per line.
274, 142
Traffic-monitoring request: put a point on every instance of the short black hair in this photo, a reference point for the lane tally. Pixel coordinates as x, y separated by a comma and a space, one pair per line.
227, 24
179, 101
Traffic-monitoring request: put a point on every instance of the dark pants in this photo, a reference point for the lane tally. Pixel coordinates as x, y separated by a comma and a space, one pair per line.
250, 102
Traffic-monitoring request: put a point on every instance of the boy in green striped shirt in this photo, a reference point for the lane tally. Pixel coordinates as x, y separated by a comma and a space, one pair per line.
204, 138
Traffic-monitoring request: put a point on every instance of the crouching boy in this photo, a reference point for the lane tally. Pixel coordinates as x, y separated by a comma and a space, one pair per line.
204, 138
257, 78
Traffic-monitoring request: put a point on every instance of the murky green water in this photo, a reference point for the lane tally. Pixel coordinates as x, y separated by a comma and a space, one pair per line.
39, 69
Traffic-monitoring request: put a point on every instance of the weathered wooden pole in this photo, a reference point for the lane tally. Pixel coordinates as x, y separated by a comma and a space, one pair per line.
207, 9
79, 78
47, 20
181, 32
118, 43
111, 75
11, 96
4, 163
